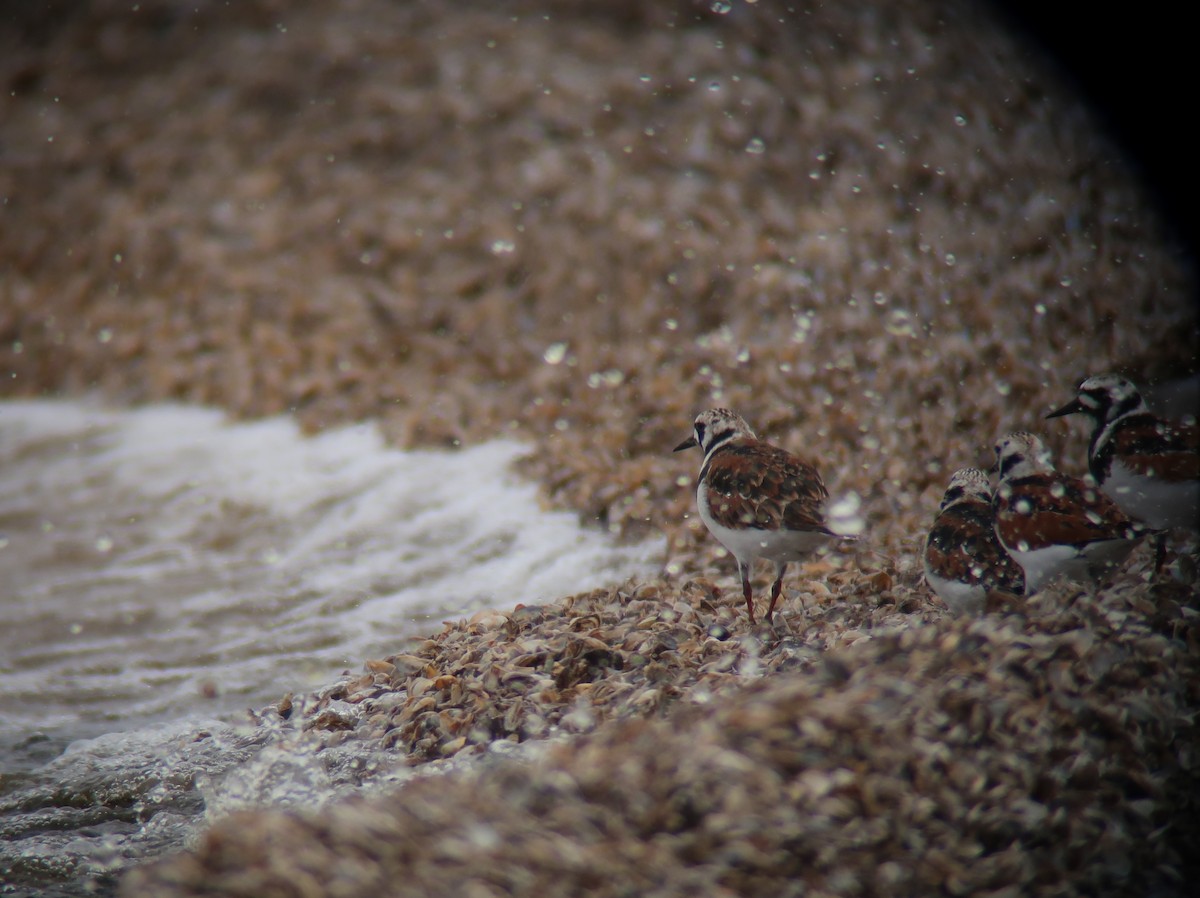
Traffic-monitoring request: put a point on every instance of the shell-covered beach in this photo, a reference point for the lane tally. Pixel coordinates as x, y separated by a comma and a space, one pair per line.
884, 234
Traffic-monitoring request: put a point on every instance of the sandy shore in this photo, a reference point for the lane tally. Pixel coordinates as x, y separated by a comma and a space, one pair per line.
883, 235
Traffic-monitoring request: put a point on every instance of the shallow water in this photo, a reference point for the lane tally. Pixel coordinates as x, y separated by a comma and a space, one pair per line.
161, 570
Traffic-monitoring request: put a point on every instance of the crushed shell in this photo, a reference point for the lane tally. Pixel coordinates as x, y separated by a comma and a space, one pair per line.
1046, 751
881, 232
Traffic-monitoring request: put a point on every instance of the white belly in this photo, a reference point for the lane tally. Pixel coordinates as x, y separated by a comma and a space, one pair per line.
1041, 566
1160, 503
961, 598
748, 544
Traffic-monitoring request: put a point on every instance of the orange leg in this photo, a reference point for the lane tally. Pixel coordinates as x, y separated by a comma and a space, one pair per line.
746, 590
776, 589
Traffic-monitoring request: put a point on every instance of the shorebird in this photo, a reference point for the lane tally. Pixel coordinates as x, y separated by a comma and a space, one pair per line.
1053, 524
758, 500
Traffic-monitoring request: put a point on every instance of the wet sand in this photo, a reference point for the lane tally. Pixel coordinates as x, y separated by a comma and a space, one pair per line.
884, 235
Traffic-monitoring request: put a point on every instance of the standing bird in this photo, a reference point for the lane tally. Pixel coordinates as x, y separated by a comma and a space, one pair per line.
758, 500
1054, 524
1148, 465
964, 559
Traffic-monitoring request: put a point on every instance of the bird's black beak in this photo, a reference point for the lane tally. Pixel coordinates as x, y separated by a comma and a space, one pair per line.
1071, 408
686, 444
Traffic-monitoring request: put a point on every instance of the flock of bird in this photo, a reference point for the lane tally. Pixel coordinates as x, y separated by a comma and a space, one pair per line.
1036, 526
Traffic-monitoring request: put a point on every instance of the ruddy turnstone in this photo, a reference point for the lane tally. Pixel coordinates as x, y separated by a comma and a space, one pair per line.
758, 500
964, 560
1054, 524
1148, 465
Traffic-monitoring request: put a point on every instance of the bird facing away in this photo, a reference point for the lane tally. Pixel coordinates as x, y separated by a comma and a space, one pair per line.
963, 558
758, 500
1053, 524
1148, 465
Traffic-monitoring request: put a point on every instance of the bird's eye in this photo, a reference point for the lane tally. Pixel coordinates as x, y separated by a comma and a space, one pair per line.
700, 434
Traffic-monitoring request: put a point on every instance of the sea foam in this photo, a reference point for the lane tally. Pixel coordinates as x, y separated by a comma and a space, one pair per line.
161, 558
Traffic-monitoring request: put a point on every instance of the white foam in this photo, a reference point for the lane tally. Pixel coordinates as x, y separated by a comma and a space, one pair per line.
155, 553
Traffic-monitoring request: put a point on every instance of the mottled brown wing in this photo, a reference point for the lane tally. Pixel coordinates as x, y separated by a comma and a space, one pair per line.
1053, 509
962, 546
765, 487
1150, 445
